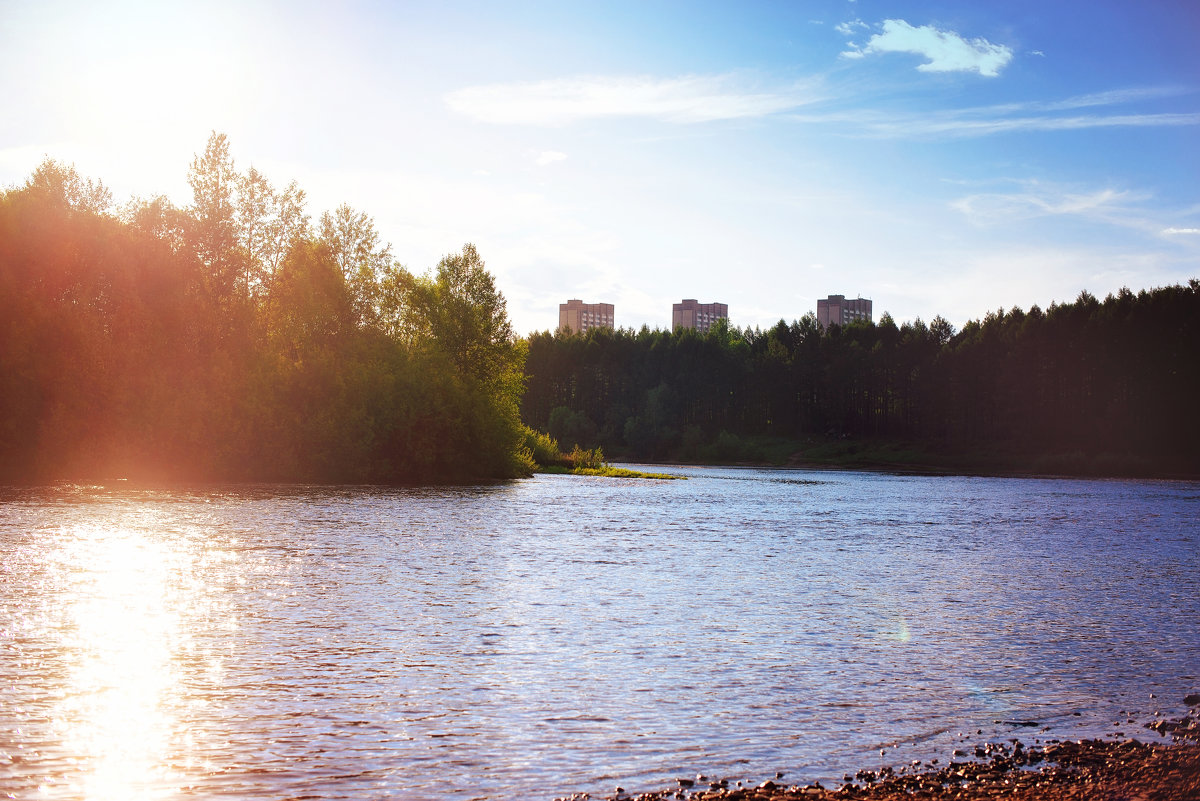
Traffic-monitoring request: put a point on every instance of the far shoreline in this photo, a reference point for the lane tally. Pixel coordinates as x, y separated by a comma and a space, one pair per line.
873, 456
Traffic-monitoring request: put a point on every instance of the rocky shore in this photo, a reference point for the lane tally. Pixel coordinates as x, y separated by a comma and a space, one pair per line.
1084, 770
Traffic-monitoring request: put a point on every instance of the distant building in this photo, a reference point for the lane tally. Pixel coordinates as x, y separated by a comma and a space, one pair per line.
699, 316
577, 317
837, 310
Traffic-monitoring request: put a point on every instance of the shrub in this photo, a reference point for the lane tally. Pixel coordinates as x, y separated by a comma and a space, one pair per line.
543, 448
524, 463
581, 459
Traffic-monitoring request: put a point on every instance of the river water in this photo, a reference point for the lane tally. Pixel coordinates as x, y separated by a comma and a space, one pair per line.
565, 634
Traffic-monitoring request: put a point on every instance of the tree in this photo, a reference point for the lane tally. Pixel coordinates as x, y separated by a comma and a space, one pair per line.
460, 312
255, 199
269, 225
309, 304
364, 262
60, 183
222, 341
941, 329
214, 230
158, 218
286, 227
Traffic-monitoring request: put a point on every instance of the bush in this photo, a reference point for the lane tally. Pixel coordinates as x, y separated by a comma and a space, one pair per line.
543, 448
581, 459
524, 464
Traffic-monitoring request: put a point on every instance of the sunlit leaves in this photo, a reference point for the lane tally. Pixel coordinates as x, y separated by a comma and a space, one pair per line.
61, 184
364, 262
228, 339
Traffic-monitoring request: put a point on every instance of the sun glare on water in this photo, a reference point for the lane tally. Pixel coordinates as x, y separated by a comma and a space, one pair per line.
118, 708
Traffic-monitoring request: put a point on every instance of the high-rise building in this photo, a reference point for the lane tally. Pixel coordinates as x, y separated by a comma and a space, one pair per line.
837, 310
700, 316
576, 317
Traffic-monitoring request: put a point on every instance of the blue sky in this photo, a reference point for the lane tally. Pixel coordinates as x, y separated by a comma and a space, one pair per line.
940, 158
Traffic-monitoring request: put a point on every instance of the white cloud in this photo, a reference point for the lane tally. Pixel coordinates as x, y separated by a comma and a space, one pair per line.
1011, 117
848, 28
984, 127
1039, 201
1113, 97
1176, 231
946, 51
688, 99
547, 157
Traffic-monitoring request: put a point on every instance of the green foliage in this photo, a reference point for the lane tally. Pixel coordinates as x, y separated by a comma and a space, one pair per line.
363, 261
1103, 384
581, 459
570, 426
542, 448
608, 471
230, 340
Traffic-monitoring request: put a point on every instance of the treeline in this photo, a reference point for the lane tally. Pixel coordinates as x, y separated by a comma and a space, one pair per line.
239, 339
1107, 387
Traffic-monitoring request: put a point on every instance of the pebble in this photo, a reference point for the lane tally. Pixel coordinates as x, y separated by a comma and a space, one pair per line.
1080, 770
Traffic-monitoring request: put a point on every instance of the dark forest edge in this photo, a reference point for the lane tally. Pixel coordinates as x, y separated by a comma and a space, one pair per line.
237, 339
1091, 387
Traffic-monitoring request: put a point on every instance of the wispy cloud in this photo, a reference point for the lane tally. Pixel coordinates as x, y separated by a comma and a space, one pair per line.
1113, 97
946, 51
1038, 200
848, 28
1033, 116
1114, 208
688, 99
934, 126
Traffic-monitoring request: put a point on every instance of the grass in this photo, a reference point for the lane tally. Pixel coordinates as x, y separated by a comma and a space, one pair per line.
609, 471
606, 471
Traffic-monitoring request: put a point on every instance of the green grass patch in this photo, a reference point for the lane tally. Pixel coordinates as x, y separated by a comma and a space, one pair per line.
607, 471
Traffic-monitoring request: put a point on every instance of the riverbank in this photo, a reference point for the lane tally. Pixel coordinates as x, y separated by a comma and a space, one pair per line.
904, 456
1084, 770
911, 457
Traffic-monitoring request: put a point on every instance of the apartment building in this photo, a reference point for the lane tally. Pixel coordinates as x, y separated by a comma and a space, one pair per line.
700, 316
577, 317
838, 310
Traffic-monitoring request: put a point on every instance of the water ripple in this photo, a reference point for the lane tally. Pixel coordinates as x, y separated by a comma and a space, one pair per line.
559, 634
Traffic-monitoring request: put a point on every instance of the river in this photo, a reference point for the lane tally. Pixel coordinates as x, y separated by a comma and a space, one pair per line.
564, 634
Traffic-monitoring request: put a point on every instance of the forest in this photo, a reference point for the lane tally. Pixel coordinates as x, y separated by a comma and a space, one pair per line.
238, 339
1088, 387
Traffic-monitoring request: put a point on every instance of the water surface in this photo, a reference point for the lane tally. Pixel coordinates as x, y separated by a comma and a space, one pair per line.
565, 634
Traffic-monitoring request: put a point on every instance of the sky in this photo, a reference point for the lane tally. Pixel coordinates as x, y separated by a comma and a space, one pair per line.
946, 158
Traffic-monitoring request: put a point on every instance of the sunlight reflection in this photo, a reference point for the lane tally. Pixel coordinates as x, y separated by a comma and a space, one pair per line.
124, 631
